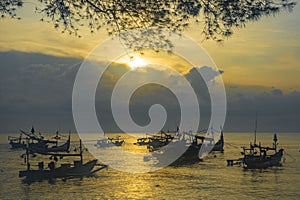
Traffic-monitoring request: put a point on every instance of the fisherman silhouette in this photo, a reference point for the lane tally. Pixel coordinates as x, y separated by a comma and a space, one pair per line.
51, 165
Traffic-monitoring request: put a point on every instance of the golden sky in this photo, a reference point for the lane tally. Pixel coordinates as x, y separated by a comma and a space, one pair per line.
265, 53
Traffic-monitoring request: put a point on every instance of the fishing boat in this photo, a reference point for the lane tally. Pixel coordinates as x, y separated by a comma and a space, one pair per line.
77, 169
117, 141
257, 156
159, 140
191, 155
193, 143
17, 142
102, 143
38, 144
109, 142
142, 141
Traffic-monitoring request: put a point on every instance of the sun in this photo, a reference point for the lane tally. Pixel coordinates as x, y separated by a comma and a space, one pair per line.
134, 61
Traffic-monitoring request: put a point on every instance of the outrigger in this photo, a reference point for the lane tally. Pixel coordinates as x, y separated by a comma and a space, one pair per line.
41, 145
257, 157
191, 155
17, 142
193, 145
78, 169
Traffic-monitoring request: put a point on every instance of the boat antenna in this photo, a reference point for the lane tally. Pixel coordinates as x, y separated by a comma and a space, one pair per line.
27, 154
80, 150
255, 128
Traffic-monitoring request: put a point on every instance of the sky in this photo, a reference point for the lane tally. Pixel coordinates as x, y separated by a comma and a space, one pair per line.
260, 63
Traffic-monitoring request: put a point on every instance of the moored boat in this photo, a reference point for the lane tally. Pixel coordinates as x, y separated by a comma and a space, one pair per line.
40, 145
159, 140
117, 141
258, 157
191, 155
77, 169
17, 142
193, 145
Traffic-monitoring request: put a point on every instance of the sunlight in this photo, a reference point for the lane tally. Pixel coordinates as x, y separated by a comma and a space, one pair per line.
134, 61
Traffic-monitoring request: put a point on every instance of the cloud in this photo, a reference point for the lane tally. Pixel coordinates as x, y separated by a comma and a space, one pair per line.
277, 111
36, 89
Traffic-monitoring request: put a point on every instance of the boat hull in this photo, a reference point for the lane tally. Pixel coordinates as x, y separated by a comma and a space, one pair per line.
17, 145
78, 170
261, 162
190, 156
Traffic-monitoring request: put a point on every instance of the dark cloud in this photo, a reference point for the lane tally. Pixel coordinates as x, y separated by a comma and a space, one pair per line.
36, 89
277, 111
209, 73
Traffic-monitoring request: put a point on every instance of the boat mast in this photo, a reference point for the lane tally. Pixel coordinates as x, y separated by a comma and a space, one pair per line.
80, 150
27, 154
255, 129
275, 142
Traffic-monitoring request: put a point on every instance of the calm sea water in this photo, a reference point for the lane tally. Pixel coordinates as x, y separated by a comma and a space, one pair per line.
210, 179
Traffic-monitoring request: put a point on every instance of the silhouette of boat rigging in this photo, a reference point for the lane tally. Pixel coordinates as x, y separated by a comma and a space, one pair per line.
109, 142
37, 144
194, 143
17, 142
78, 169
191, 155
159, 140
256, 156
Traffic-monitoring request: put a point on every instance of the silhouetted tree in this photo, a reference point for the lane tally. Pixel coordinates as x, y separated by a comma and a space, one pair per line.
216, 18
9, 7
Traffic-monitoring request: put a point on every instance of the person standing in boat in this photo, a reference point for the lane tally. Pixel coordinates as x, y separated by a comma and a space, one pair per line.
51, 165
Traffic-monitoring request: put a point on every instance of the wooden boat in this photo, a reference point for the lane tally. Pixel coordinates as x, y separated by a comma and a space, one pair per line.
17, 142
41, 145
103, 143
159, 140
109, 142
194, 143
191, 155
78, 169
258, 157
142, 141
118, 141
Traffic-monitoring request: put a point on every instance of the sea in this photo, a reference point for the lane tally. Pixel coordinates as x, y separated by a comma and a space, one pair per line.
209, 179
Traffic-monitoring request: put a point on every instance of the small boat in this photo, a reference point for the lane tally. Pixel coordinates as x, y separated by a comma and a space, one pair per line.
109, 142
159, 140
142, 141
257, 156
193, 145
103, 143
17, 142
191, 155
78, 169
118, 141
38, 144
